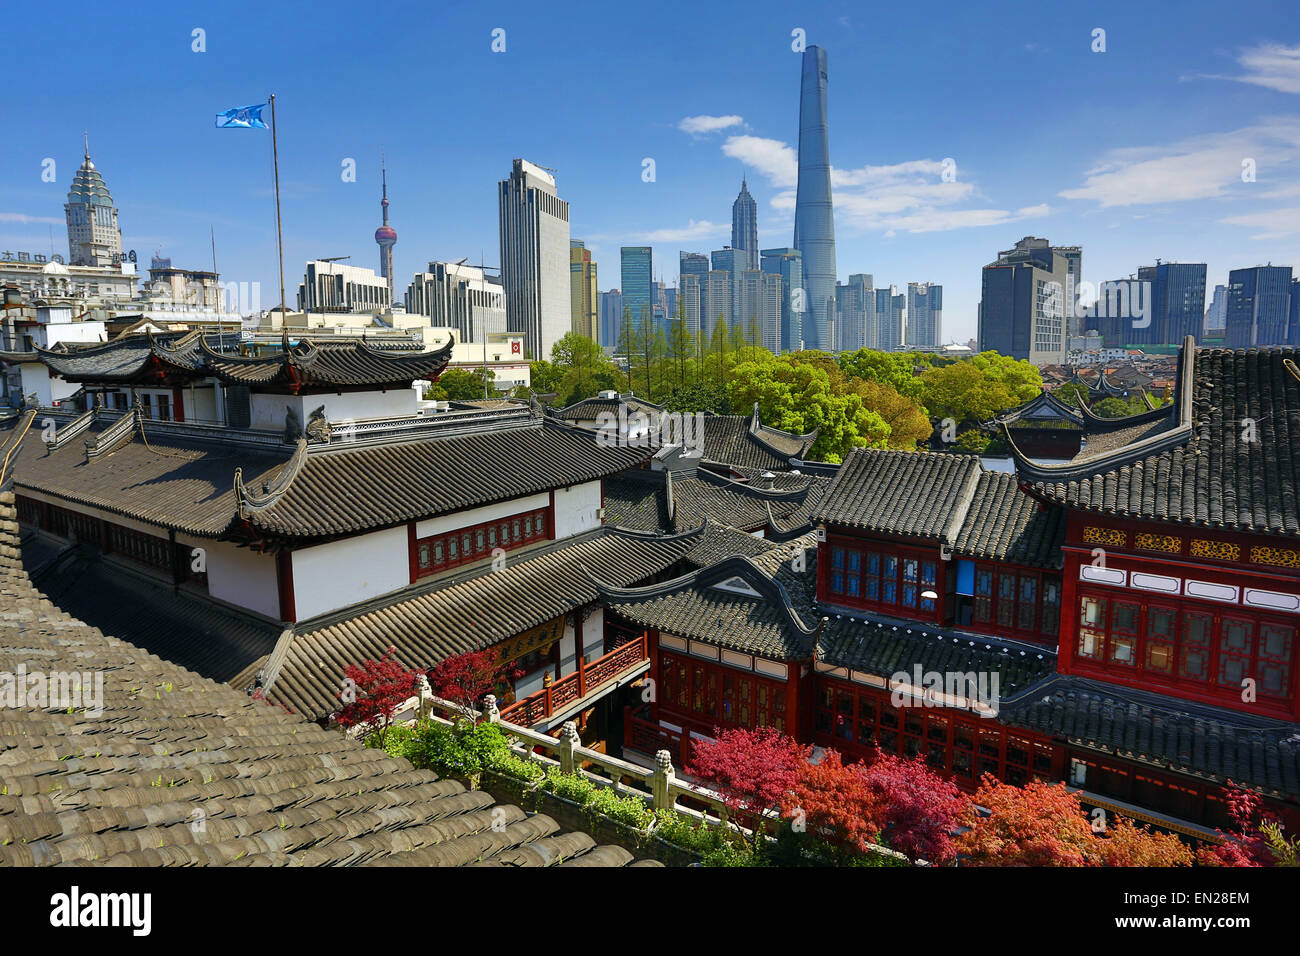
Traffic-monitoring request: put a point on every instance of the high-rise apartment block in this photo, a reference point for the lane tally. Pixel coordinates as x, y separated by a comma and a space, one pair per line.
855, 324
924, 315
891, 319
788, 264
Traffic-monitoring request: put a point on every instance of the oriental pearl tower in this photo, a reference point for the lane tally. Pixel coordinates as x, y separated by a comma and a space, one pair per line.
386, 237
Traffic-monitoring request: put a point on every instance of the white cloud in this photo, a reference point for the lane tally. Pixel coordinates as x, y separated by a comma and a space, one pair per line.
911, 196
1269, 65
693, 230
30, 220
1276, 223
942, 220
775, 160
697, 125
1201, 167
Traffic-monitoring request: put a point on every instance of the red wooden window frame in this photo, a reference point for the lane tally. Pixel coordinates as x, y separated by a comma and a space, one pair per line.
1185, 645
717, 695
1017, 602
962, 747
871, 576
451, 549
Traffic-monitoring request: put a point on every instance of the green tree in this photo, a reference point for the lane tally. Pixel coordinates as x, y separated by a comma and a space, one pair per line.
698, 397
458, 384
978, 388
895, 369
798, 397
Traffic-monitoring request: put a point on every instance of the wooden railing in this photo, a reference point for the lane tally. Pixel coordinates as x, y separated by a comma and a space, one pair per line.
650, 738
571, 688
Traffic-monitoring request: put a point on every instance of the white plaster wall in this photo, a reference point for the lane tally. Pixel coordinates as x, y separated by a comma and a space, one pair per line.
268, 410
577, 509
593, 634
240, 576
464, 519
332, 576
568, 659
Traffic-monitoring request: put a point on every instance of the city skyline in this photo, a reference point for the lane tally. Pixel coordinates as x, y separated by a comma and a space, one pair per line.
896, 215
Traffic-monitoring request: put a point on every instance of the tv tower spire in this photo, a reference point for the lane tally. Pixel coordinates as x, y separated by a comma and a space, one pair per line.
386, 235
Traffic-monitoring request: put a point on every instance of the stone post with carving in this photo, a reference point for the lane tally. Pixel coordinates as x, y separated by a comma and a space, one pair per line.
569, 742
662, 781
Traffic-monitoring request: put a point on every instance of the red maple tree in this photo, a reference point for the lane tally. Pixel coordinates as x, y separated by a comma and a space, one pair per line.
835, 802
372, 692
1036, 825
921, 811
1247, 844
752, 770
465, 679
1123, 843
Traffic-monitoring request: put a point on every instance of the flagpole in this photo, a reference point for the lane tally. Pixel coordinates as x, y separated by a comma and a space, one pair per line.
279, 234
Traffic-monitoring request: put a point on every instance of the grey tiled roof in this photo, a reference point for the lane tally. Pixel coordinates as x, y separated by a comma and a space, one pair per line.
195, 632
1005, 524
639, 499
907, 493
321, 363
190, 485
588, 408
350, 489
1209, 472
694, 606
744, 440
174, 483
181, 771
1202, 741
883, 647
430, 623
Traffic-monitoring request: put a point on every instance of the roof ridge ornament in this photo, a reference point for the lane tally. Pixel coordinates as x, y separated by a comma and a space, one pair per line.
250, 502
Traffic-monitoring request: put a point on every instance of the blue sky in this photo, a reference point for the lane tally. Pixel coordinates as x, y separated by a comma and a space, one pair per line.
1134, 153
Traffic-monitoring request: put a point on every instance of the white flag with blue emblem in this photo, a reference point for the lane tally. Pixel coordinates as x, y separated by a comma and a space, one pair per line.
244, 117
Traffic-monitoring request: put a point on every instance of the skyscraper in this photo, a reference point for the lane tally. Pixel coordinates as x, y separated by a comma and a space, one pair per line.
1177, 302
1259, 306
688, 298
717, 298
637, 277
759, 314
788, 264
386, 236
611, 317
744, 225
814, 214
1216, 316
1023, 302
94, 238
534, 231
583, 295
856, 313
924, 315
891, 322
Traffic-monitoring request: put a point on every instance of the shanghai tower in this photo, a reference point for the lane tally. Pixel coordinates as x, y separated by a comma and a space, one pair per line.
814, 215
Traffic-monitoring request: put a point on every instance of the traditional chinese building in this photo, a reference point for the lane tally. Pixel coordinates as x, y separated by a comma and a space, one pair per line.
1124, 622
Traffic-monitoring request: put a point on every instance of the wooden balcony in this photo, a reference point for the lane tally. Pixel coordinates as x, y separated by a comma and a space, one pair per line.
572, 692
